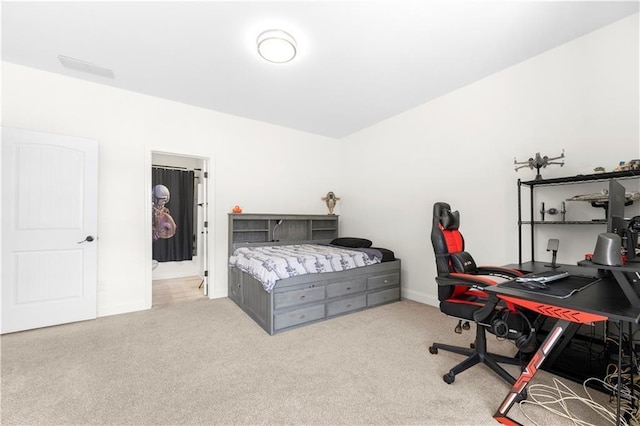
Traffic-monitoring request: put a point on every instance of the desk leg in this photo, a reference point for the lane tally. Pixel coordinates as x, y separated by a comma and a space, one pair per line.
568, 334
530, 370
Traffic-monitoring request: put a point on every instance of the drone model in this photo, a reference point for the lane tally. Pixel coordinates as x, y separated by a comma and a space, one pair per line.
539, 162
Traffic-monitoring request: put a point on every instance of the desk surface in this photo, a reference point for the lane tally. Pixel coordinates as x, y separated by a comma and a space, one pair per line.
604, 298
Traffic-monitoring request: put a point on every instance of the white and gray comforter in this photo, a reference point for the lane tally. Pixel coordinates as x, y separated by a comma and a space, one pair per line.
269, 264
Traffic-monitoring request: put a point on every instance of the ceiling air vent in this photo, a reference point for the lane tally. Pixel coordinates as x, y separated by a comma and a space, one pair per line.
78, 65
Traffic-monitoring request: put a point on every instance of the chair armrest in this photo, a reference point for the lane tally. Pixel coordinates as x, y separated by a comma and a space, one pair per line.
499, 271
489, 308
458, 278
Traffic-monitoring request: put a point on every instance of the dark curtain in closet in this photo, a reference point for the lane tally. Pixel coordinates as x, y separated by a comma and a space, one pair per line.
181, 188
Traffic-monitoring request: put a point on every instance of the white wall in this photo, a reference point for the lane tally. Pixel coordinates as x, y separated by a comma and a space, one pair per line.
264, 168
581, 97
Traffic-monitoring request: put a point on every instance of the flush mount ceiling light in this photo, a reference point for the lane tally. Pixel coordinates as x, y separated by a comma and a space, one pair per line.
276, 46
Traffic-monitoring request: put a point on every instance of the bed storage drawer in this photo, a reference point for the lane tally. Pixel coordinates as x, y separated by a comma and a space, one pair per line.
344, 288
386, 280
307, 299
298, 297
347, 304
298, 316
384, 296
235, 285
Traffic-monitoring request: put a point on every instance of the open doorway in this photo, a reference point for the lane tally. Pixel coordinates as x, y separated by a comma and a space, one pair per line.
179, 254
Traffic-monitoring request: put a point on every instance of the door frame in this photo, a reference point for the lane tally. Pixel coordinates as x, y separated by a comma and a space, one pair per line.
207, 162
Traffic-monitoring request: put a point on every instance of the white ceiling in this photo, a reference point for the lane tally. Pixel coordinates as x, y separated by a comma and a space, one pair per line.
358, 62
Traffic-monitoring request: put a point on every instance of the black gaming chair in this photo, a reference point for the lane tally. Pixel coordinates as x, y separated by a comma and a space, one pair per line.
460, 284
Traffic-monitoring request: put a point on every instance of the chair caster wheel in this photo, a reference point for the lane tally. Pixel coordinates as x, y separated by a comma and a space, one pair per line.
449, 378
466, 326
472, 345
522, 396
433, 350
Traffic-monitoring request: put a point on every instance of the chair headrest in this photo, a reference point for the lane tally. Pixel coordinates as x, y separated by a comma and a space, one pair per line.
450, 220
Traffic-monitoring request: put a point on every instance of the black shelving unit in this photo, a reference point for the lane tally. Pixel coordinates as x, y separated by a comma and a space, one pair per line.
532, 184
589, 351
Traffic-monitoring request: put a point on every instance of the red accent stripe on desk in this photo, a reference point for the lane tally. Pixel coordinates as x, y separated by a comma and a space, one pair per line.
555, 311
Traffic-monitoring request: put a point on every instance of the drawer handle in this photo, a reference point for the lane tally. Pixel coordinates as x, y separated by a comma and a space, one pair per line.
302, 297
386, 281
348, 288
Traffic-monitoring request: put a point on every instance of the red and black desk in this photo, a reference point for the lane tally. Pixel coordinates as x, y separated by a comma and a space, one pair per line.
602, 301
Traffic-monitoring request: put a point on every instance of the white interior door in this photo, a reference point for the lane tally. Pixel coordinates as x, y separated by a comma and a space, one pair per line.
49, 225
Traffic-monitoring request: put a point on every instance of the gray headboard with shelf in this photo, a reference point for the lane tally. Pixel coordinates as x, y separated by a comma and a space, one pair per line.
258, 229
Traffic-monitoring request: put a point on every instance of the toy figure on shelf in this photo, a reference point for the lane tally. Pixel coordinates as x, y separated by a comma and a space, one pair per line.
538, 163
629, 165
331, 201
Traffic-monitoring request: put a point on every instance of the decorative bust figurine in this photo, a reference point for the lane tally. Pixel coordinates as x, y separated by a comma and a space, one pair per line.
331, 200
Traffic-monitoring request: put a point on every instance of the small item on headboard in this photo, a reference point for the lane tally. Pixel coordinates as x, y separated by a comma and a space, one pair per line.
236, 209
331, 201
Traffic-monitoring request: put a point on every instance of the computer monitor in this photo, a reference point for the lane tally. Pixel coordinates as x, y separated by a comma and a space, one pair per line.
616, 223
615, 209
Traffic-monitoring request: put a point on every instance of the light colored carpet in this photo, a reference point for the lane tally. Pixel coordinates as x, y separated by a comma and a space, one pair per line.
206, 362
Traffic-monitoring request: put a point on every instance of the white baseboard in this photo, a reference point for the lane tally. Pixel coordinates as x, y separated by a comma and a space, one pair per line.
123, 308
420, 297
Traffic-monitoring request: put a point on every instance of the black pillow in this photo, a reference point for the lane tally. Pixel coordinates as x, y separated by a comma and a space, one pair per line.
387, 255
352, 242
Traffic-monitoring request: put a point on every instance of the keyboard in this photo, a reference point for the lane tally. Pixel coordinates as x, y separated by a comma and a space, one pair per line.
543, 277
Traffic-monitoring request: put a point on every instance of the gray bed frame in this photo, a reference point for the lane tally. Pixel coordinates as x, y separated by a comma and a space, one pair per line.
305, 299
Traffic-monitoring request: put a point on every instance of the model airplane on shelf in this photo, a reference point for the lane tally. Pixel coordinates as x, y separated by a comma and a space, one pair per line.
601, 199
603, 196
539, 162
553, 211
